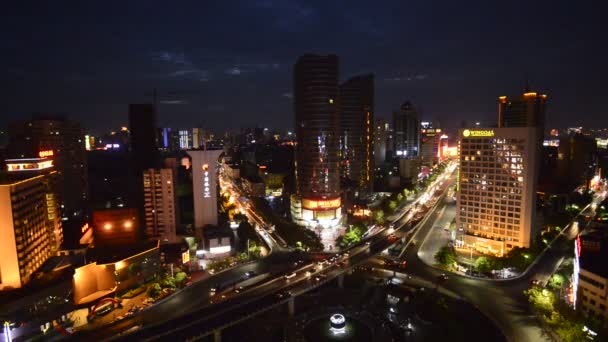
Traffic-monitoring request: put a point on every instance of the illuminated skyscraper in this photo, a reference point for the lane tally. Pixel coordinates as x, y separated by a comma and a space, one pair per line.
406, 125
496, 200
317, 120
30, 224
357, 131
63, 140
526, 111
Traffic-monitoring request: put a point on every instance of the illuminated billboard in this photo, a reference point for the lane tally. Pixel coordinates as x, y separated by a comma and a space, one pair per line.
45, 153
321, 204
477, 133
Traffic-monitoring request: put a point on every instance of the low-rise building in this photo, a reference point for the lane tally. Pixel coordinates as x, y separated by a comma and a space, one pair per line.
115, 270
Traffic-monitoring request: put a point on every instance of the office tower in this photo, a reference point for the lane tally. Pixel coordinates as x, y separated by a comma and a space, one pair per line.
590, 277
204, 186
527, 110
430, 138
357, 131
406, 126
317, 120
159, 204
199, 138
185, 139
64, 140
30, 224
142, 125
380, 141
497, 178
577, 161
144, 153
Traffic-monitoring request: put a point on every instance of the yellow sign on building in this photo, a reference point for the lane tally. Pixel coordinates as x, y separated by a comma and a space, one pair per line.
477, 133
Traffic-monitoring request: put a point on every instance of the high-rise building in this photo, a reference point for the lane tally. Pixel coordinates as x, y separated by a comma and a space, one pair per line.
496, 199
357, 131
47, 135
144, 153
142, 125
159, 204
577, 161
199, 137
381, 139
204, 186
406, 126
185, 139
30, 224
430, 138
317, 120
528, 110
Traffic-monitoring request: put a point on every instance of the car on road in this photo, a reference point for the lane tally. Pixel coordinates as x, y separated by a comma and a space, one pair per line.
284, 294
249, 274
239, 289
290, 275
320, 277
443, 277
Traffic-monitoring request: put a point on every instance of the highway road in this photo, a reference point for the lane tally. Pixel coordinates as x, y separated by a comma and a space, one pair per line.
501, 300
266, 295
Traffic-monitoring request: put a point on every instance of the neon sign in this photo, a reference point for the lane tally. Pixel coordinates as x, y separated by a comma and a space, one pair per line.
45, 153
321, 204
477, 133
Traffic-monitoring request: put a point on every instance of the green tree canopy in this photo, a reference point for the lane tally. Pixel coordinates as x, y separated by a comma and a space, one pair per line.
379, 216
483, 265
153, 290
445, 256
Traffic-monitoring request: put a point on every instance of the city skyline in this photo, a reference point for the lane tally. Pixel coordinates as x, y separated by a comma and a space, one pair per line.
307, 170
207, 69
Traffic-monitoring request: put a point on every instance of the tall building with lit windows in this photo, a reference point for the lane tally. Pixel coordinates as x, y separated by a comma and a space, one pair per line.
317, 120
185, 139
406, 126
30, 221
497, 178
49, 135
357, 132
381, 141
159, 204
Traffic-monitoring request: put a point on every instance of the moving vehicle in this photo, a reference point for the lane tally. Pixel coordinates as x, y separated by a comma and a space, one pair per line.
289, 276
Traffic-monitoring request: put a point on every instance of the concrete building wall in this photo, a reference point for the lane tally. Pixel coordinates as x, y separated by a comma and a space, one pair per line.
594, 289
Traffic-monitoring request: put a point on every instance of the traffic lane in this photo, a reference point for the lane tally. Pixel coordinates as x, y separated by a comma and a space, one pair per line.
225, 311
502, 301
192, 297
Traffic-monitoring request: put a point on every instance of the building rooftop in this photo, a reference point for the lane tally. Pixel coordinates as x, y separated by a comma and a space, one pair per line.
110, 254
594, 260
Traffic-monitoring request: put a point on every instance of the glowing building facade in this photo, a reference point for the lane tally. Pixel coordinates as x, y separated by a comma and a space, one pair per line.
204, 186
159, 204
30, 223
317, 119
496, 200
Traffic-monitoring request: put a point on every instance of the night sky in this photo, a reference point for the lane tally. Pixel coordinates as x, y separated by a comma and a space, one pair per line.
228, 64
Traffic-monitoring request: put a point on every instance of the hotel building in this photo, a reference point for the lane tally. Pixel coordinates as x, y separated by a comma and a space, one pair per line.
496, 200
30, 223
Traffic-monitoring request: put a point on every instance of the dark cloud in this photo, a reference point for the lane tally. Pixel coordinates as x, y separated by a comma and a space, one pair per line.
451, 58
